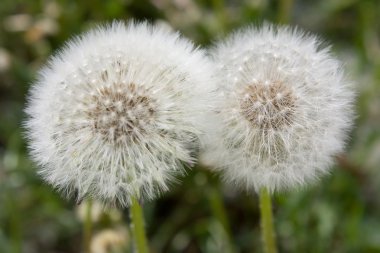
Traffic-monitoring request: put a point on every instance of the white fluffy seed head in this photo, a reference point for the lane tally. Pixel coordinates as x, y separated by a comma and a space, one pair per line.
283, 110
114, 114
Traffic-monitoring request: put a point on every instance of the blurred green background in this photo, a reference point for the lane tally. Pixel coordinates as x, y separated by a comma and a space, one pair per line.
341, 213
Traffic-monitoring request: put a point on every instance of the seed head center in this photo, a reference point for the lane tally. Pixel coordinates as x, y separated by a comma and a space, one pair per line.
120, 112
268, 105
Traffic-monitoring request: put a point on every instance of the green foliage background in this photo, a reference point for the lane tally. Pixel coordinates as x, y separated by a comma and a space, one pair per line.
341, 213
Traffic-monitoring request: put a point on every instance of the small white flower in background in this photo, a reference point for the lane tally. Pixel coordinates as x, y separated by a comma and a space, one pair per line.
110, 240
283, 111
114, 114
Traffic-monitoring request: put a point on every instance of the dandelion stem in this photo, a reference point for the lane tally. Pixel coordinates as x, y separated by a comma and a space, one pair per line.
220, 12
87, 227
285, 11
219, 211
267, 229
137, 227
15, 226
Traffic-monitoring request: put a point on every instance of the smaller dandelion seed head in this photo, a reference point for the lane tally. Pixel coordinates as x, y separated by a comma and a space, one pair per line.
283, 111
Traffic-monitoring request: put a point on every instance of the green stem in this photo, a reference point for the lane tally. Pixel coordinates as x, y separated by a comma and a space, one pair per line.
137, 227
267, 230
15, 227
220, 12
218, 209
285, 10
87, 227
219, 212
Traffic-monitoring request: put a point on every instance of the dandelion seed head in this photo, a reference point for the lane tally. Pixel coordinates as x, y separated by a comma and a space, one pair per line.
114, 114
283, 109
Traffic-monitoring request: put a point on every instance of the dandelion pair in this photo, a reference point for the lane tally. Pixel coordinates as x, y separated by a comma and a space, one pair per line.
121, 110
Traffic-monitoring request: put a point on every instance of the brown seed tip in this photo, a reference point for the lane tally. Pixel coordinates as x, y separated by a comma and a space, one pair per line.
121, 111
268, 105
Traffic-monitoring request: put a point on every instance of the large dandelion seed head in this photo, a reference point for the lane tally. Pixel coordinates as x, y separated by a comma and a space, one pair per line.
114, 114
283, 110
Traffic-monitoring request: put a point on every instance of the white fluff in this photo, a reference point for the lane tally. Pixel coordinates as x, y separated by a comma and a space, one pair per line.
283, 111
114, 114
